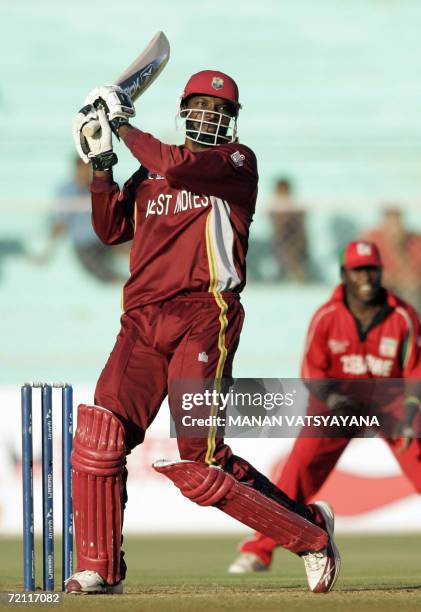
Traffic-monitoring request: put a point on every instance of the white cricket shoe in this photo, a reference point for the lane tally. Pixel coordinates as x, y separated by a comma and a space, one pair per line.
247, 563
90, 582
322, 568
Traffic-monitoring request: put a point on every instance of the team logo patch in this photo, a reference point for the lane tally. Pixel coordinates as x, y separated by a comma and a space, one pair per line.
388, 347
238, 158
203, 357
363, 249
338, 346
217, 83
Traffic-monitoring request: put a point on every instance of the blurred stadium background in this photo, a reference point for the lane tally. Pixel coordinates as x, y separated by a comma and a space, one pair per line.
330, 95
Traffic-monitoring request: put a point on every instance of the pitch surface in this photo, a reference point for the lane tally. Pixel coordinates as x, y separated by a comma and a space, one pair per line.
189, 575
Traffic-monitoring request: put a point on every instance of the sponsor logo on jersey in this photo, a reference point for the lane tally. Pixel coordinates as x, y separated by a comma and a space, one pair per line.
167, 204
361, 364
203, 357
155, 176
187, 200
388, 347
238, 158
338, 346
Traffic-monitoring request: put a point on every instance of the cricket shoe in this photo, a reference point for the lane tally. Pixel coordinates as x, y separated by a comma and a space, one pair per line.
247, 563
322, 568
86, 582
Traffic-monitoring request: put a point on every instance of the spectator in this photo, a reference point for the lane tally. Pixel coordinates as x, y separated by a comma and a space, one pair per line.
72, 215
289, 233
401, 253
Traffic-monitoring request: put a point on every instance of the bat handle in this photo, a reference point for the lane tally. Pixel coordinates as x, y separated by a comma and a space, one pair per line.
91, 128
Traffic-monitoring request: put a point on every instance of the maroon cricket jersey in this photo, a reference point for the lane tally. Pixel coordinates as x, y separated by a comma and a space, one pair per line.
188, 215
335, 348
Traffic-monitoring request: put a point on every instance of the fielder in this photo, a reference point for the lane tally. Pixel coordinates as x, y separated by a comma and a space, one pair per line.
188, 210
362, 332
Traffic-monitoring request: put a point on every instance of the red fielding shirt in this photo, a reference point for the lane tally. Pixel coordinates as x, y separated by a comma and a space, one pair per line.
188, 215
336, 349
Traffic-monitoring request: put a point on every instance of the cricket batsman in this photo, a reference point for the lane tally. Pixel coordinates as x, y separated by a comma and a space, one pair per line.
363, 332
187, 210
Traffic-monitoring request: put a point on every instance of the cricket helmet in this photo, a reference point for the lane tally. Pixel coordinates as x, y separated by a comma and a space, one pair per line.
212, 83
208, 126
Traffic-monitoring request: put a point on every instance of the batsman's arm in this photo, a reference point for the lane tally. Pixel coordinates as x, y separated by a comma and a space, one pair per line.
112, 209
211, 172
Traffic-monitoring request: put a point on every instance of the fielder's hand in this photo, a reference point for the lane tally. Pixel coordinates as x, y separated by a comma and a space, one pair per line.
405, 431
404, 434
116, 103
97, 149
341, 404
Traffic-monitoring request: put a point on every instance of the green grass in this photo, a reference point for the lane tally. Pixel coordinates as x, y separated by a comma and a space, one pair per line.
189, 574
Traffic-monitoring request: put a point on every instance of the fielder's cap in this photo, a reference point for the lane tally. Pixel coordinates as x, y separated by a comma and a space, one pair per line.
359, 253
212, 83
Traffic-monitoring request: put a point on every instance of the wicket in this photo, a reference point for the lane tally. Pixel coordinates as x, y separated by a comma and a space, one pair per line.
47, 483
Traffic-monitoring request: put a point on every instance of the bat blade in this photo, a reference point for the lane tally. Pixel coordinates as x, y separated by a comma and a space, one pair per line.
141, 73
146, 68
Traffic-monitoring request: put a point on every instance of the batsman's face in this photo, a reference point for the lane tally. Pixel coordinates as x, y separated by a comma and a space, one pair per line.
208, 119
363, 283
208, 109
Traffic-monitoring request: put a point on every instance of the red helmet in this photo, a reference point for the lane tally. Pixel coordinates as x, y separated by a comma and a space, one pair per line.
212, 83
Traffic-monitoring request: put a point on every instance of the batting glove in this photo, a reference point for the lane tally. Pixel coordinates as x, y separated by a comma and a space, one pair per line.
98, 148
116, 103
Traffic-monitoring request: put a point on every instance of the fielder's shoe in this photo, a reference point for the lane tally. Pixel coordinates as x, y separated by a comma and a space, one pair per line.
247, 563
322, 568
88, 581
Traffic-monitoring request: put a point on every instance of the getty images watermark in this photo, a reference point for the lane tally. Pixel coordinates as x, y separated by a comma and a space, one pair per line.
285, 408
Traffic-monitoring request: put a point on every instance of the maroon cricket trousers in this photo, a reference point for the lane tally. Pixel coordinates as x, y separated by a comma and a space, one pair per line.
194, 336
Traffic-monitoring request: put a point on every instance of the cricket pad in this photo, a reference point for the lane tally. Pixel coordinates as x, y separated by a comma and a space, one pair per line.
98, 459
211, 486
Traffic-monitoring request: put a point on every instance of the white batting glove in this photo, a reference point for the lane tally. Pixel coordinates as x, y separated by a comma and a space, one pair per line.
116, 102
84, 116
98, 148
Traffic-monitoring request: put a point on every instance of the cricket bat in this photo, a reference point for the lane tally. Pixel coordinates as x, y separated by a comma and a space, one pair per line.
141, 73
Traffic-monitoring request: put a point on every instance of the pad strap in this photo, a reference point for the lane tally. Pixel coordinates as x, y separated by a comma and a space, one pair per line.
98, 460
211, 486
